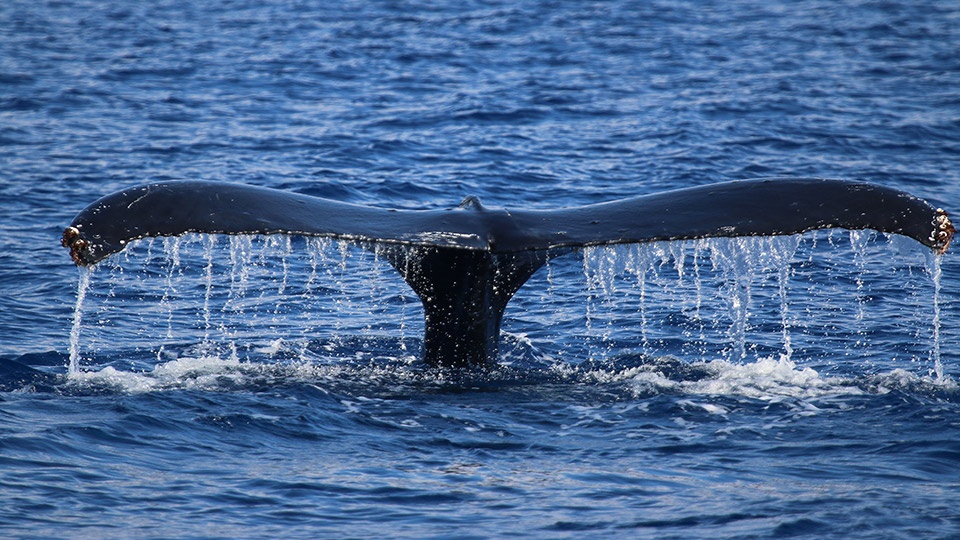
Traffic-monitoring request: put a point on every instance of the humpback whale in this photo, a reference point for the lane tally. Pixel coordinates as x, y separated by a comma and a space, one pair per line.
466, 263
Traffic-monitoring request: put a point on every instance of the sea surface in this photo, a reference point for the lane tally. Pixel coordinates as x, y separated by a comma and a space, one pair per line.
257, 387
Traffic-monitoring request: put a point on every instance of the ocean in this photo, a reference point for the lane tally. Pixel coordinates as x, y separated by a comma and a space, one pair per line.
208, 386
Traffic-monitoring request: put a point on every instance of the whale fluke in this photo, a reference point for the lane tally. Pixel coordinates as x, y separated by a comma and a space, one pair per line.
466, 263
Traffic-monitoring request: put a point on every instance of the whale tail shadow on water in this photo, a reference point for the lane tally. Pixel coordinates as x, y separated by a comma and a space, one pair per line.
466, 263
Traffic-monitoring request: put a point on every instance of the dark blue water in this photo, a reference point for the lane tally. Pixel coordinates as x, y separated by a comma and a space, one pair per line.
264, 387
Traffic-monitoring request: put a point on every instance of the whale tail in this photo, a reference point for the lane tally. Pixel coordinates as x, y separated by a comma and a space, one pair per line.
466, 263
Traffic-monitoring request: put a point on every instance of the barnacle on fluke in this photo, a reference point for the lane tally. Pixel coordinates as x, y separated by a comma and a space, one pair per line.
71, 239
943, 232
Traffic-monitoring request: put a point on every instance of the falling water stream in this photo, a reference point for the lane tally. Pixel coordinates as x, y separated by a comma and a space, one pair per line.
806, 298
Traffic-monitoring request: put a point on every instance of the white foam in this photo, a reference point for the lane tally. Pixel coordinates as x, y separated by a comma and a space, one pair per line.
774, 380
765, 379
769, 379
183, 373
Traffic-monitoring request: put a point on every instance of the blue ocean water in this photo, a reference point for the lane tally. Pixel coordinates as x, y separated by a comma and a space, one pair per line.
258, 386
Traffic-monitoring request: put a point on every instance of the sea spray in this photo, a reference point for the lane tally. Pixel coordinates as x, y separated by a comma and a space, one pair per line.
171, 246
735, 259
278, 299
783, 274
934, 269
83, 283
209, 242
688, 289
859, 241
212, 297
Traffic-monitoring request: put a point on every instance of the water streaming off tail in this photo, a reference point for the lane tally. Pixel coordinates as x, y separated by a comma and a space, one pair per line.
820, 299
235, 296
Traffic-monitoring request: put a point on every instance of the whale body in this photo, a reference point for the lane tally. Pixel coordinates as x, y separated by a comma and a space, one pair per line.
466, 263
